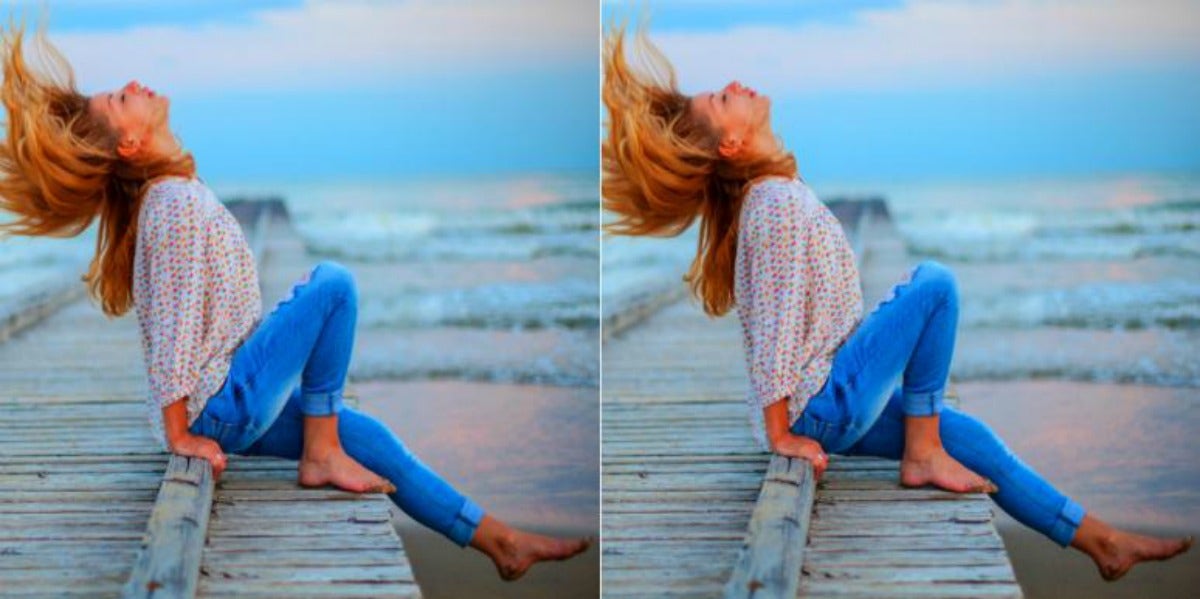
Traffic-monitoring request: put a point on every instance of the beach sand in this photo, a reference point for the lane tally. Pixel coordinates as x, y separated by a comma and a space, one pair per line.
527, 454
1127, 453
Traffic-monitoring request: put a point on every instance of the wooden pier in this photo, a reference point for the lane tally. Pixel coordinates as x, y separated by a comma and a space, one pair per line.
91, 506
694, 508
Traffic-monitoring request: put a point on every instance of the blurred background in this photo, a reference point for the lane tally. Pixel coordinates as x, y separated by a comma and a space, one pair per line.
1049, 153
446, 152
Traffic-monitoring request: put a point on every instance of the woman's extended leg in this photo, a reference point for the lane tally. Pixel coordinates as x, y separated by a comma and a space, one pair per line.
1022, 493
910, 334
307, 339
419, 491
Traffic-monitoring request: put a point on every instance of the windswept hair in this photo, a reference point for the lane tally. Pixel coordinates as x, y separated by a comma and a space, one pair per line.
662, 169
59, 168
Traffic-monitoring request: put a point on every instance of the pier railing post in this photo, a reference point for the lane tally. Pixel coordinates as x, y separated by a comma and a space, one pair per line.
768, 565
168, 563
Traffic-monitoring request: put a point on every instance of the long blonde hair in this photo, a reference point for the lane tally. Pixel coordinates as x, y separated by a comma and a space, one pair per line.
59, 168
662, 169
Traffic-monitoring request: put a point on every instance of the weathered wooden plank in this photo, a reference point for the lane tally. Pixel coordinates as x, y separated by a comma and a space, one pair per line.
169, 560
38, 303
292, 529
66, 533
821, 559
285, 573
769, 562
274, 589
888, 590
886, 543
301, 557
315, 543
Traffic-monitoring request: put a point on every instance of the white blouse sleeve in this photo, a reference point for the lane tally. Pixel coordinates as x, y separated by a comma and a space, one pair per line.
173, 240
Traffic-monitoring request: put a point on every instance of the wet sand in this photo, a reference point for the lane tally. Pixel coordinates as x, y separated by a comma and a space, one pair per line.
445, 571
1127, 453
528, 454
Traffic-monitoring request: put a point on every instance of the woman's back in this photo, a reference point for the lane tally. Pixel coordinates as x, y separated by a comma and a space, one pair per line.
798, 294
195, 290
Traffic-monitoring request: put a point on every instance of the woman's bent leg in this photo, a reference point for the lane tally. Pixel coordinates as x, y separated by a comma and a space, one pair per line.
910, 334
307, 339
420, 492
1023, 493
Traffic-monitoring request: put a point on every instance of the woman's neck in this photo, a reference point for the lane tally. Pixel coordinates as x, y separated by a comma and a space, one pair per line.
165, 144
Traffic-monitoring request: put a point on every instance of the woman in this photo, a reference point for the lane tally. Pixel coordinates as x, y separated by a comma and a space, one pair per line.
822, 376
221, 377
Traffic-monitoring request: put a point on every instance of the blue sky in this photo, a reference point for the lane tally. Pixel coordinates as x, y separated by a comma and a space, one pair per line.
322, 89
925, 89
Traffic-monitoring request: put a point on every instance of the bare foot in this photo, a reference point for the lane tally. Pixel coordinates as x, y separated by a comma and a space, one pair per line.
939, 469
342, 471
1119, 551
519, 550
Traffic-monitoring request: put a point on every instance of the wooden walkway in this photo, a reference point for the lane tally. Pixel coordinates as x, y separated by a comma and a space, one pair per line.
80, 476
693, 508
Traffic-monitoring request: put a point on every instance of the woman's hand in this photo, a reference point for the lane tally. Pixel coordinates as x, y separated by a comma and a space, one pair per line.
786, 443
796, 446
191, 445
184, 443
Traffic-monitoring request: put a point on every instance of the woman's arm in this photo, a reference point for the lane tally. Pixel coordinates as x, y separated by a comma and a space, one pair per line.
172, 238
184, 443
784, 442
773, 303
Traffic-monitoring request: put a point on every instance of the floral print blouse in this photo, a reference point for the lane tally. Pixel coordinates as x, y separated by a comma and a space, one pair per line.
196, 293
797, 291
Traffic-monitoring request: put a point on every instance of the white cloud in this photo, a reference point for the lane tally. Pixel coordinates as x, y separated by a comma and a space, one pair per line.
939, 42
344, 42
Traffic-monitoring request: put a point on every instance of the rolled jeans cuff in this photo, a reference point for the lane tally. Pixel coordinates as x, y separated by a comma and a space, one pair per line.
923, 404
465, 523
321, 404
1068, 521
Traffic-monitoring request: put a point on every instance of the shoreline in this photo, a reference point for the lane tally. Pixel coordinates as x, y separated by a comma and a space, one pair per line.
528, 454
446, 571
1124, 451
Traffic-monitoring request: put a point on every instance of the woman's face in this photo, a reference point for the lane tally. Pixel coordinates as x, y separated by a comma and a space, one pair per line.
740, 114
136, 114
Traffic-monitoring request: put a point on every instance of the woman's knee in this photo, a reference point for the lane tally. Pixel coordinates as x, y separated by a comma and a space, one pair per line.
937, 278
337, 279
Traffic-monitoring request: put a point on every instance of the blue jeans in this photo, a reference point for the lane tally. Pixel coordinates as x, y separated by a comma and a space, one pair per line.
294, 365
909, 337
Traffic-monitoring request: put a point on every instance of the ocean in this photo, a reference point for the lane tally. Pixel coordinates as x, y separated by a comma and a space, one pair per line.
1081, 278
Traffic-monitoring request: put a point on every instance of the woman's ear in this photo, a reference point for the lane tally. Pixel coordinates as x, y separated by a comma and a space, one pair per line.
128, 146
730, 147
